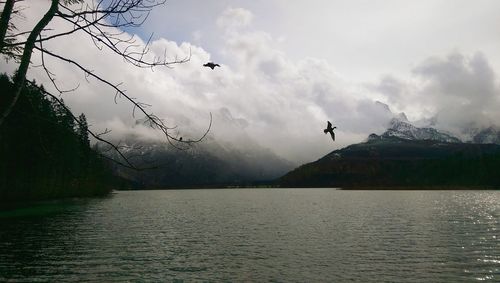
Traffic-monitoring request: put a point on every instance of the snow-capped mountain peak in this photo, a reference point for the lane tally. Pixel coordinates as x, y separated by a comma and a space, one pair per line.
405, 130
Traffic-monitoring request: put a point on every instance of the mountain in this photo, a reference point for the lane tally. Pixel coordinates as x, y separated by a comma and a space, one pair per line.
403, 129
488, 135
407, 156
399, 126
207, 164
396, 162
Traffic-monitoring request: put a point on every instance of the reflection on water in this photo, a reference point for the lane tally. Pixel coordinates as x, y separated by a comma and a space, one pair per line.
257, 235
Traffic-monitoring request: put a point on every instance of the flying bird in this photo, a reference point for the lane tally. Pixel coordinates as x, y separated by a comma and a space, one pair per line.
329, 129
211, 65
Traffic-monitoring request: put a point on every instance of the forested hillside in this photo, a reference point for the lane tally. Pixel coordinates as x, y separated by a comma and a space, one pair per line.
396, 162
44, 152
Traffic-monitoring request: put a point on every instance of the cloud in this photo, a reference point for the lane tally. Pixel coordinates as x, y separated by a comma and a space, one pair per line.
463, 89
234, 18
261, 95
457, 90
394, 89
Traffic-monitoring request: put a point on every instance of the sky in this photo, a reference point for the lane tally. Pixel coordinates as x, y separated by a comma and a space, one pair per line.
289, 66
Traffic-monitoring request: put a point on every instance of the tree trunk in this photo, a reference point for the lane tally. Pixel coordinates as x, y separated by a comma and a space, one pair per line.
4, 21
26, 58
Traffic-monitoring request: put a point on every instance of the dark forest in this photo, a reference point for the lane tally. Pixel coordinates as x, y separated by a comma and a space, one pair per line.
44, 152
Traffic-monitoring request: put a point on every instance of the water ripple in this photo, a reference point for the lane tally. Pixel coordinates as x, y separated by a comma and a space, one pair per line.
282, 235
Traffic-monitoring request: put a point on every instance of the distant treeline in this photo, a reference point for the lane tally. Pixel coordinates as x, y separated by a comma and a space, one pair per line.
44, 152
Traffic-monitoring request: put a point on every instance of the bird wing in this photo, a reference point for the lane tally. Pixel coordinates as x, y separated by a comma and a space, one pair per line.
333, 135
329, 125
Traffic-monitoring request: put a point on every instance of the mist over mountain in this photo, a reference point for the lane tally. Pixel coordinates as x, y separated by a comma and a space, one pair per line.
485, 135
399, 126
207, 164
230, 157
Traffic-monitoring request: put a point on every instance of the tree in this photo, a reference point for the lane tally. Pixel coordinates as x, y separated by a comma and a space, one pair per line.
4, 21
95, 19
83, 130
42, 153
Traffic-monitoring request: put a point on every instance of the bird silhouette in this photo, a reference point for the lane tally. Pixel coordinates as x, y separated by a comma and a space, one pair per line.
211, 65
329, 129
180, 139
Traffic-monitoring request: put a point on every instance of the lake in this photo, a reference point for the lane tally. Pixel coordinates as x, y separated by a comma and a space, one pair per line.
280, 235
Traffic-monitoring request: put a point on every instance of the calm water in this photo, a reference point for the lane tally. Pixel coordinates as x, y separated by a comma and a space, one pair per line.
305, 235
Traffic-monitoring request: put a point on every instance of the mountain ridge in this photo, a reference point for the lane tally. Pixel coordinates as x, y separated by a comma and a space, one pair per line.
403, 156
208, 164
405, 130
398, 162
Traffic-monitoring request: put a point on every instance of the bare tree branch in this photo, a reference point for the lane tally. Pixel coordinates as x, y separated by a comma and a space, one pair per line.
101, 20
51, 75
153, 120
